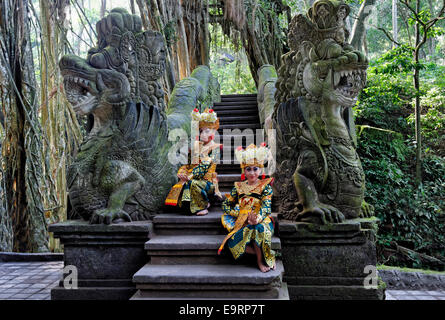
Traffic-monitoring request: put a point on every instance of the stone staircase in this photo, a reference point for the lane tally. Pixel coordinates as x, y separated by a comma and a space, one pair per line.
183, 253
235, 112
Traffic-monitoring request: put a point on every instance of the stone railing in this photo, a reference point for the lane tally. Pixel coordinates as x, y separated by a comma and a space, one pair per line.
266, 91
200, 89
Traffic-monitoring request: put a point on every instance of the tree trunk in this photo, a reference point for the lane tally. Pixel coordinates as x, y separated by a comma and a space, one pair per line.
418, 109
103, 8
395, 29
194, 17
432, 40
421, 29
78, 42
22, 145
152, 19
358, 34
183, 50
132, 8
6, 232
260, 35
59, 122
184, 24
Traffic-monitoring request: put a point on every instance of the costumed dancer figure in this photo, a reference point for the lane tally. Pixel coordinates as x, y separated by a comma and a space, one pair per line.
198, 180
247, 210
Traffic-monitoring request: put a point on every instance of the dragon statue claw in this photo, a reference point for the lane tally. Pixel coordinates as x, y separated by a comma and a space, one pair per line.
107, 216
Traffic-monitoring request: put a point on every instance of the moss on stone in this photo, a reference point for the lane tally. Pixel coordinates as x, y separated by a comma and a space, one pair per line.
425, 271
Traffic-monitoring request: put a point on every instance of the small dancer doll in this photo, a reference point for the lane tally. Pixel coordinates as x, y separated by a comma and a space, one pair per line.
248, 208
198, 180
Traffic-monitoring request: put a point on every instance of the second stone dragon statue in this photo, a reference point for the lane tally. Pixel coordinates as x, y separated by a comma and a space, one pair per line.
319, 175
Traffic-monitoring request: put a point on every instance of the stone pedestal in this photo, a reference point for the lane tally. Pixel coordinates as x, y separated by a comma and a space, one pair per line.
106, 258
329, 261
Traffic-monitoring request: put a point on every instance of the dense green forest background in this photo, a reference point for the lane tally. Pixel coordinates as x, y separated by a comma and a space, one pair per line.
411, 207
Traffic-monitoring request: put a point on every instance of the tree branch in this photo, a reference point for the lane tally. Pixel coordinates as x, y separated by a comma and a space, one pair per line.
416, 15
386, 34
86, 18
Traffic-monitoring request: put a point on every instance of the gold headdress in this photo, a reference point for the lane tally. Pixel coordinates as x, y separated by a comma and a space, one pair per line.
207, 119
253, 156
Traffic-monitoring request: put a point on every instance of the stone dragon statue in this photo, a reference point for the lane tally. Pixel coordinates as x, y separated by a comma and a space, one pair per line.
121, 170
319, 175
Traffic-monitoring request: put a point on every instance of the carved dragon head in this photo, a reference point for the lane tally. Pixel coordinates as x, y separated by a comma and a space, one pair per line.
321, 66
124, 66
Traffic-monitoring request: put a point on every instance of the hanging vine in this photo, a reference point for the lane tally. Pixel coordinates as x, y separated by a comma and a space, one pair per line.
254, 25
22, 145
6, 233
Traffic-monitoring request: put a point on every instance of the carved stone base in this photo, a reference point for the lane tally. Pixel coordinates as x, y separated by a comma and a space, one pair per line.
106, 258
328, 262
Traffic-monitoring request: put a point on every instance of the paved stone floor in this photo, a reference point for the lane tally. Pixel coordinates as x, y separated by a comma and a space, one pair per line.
414, 295
34, 280
29, 280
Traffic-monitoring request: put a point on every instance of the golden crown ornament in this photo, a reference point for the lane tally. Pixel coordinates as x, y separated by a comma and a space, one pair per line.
207, 119
252, 156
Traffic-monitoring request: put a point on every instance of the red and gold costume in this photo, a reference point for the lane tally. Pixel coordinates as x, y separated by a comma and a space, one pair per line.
202, 172
244, 199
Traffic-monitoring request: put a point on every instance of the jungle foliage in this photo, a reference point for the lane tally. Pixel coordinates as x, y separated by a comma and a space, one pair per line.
412, 219
229, 64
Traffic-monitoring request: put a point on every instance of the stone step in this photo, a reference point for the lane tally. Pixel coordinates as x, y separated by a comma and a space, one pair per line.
208, 281
153, 295
239, 96
228, 167
251, 100
241, 126
240, 103
228, 177
228, 184
225, 190
236, 110
241, 118
192, 249
243, 109
243, 99
236, 106
192, 242
209, 274
240, 112
187, 224
182, 224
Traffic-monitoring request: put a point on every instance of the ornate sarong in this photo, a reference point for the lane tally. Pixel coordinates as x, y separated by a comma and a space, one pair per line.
242, 200
174, 196
203, 183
